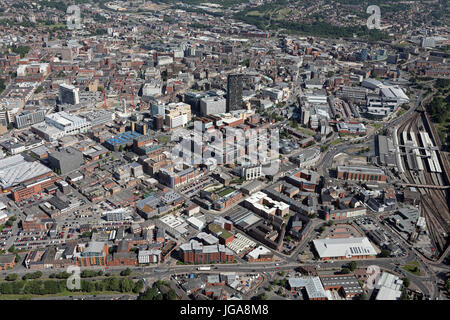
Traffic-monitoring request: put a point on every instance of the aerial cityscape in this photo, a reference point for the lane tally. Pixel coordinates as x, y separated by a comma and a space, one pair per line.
224, 150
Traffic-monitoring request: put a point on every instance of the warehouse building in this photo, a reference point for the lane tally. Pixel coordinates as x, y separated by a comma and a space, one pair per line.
389, 287
312, 286
260, 254
361, 174
347, 285
24, 178
344, 248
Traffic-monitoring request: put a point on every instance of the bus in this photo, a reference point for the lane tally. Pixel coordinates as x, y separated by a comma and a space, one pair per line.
203, 268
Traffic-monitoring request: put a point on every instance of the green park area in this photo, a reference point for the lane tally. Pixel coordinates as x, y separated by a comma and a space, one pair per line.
413, 267
225, 192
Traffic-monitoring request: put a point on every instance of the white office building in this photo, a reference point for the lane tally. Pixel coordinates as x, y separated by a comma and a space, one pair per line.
69, 124
213, 105
149, 256
252, 172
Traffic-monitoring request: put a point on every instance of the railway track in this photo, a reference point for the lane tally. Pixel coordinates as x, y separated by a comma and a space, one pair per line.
433, 223
434, 203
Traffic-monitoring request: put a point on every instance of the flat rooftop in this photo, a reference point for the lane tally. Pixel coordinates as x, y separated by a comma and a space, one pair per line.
360, 170
15, 170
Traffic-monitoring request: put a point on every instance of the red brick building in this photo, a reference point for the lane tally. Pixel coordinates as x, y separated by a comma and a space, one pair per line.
34, 186
195, 252
361, 174
33, 223
7, 261
94, 254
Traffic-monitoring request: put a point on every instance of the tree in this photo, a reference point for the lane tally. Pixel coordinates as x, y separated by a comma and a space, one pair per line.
345, 271
384, 253
138, 286
11, 277
262, 296
126, 285
352, 266
88, 273
114, 284
404, 295
363, 296
99, 286
406, 282
22, 50
62, 275
91, 286
149, 294
50, 287
269, 288
126, 272
6, 288
34, 275
171, 295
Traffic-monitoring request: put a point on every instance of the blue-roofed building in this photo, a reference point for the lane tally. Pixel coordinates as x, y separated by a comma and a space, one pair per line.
123, 139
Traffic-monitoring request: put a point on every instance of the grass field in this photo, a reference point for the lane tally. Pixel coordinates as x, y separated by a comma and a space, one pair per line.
413, 267
255, 13
225, 192
376, 125
334, 142
163, 139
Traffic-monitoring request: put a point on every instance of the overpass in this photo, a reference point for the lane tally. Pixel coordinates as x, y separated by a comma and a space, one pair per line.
426, 186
